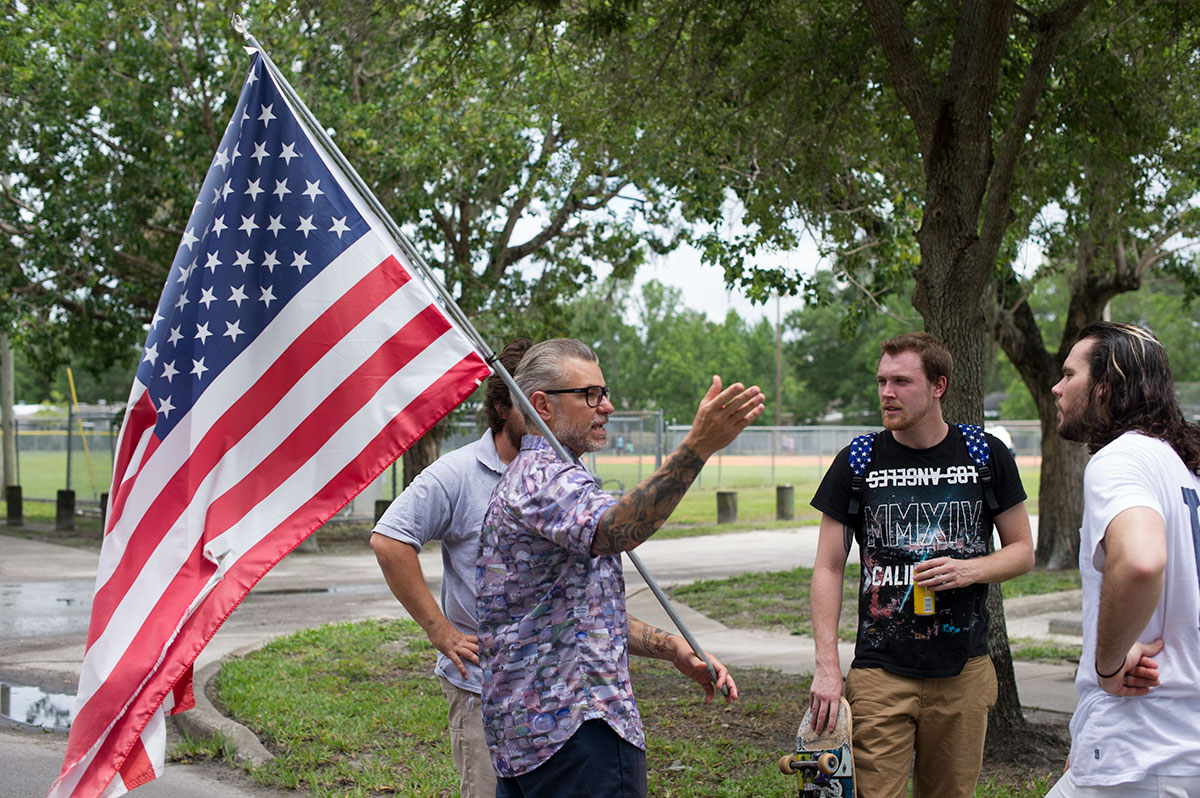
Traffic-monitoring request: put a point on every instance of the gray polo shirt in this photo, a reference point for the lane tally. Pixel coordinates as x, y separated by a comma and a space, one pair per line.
446, 503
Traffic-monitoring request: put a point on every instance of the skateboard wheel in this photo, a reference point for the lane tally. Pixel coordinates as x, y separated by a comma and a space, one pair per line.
786, 765
828, 763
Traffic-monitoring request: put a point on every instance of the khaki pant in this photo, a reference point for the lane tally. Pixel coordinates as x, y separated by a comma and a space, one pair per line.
936, 727
476, 776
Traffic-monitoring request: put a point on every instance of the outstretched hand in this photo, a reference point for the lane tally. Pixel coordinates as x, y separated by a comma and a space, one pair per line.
1139, 675
722, 415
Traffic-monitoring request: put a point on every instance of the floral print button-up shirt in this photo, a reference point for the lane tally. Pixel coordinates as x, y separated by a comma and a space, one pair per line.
552, 625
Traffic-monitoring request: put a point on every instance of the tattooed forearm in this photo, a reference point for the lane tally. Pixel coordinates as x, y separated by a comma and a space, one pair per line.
642, 510
649, 641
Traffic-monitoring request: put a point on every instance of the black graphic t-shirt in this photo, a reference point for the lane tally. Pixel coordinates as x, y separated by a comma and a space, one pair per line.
919, 504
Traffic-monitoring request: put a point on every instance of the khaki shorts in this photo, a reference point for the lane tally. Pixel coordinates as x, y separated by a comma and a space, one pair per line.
476, 776
936, 727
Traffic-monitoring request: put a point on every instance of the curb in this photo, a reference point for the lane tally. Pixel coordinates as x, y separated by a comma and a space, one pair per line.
204, 721
1024, 606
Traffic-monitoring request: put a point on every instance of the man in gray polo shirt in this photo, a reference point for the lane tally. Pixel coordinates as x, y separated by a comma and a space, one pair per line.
447, 502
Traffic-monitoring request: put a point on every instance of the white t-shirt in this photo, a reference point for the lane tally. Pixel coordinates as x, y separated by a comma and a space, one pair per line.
1117, 740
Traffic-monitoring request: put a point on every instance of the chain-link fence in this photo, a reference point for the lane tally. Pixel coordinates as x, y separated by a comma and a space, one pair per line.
72, 452
76, 452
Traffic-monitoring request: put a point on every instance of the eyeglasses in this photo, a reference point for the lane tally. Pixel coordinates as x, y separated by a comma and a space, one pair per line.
593, 394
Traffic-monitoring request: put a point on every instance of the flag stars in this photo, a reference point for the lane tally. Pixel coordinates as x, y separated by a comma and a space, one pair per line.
183, 300
207, 297
202, 333
276, 225
253, 189
174, 337
306, 225
198, 368
151, 354
233, 329
260, 152
248, 225
165, 407
266, 115
339, 227
289, 152
222, 159
169, 370
312, 189
185, 273
238, 295
227, 189
281, 188
267, 296
213, 262
219, 225
243, 260
189, 238
270, 261
300, 260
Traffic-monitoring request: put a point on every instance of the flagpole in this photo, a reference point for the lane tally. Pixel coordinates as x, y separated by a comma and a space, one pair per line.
241, 25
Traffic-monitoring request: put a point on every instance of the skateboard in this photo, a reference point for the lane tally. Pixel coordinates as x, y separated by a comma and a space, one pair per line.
823, 763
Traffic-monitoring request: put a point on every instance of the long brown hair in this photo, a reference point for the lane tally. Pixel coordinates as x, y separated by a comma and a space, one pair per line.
1132, 389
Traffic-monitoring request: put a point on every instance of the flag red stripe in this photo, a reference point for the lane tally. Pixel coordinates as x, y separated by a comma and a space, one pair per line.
141, 416
412, 422
311, 434
239, 419
139, 657
137, 769
185, 698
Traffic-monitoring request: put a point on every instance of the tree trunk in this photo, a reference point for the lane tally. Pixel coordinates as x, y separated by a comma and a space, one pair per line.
424, 451
1006, 716
1060, 500
7, 417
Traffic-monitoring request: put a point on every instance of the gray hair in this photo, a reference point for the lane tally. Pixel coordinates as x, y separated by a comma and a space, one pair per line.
541, 368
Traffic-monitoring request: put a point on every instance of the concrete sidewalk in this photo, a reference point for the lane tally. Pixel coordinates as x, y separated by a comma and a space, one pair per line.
45, 603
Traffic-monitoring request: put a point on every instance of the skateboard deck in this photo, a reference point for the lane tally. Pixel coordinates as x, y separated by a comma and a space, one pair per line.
823, 763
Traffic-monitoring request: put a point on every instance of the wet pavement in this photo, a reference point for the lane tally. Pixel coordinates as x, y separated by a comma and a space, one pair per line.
45, 603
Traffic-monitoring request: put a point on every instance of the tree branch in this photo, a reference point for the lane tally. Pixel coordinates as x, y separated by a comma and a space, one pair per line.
908, 73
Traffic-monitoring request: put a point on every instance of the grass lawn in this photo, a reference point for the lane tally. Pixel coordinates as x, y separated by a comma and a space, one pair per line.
352, 710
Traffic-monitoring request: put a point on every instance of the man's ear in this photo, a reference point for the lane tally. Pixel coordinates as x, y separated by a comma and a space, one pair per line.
542, 404
939, 387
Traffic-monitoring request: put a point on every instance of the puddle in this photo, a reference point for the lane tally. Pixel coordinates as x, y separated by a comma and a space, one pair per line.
43, 609
36, 707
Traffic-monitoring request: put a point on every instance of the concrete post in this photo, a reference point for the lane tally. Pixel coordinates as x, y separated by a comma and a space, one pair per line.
727, 507
785, 502
64, 516
16, 506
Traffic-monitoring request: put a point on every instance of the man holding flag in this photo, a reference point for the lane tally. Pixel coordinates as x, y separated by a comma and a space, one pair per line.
293, 356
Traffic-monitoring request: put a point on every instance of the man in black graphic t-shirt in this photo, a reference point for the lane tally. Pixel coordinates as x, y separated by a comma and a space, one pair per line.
921, 682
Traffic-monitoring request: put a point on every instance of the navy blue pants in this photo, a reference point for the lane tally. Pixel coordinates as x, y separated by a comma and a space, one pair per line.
594, 763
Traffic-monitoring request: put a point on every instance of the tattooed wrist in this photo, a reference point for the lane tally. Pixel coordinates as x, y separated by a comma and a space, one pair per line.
653, 642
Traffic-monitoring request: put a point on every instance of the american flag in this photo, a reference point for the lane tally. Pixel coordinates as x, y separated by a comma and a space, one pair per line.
292, 358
